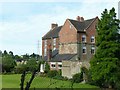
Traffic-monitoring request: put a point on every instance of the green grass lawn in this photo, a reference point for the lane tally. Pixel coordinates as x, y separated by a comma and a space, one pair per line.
13, 81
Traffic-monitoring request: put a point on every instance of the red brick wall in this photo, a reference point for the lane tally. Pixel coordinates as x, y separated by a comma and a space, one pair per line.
49, 42
68, 39
42, 48
91, 31
67, 34
57, 43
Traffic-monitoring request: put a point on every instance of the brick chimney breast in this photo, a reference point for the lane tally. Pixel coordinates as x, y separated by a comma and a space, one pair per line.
80, 19
53, 25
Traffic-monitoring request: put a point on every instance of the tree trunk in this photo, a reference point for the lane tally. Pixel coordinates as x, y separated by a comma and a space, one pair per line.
22, 80
31, 79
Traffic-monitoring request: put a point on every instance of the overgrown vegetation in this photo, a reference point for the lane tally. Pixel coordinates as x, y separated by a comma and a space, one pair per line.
47, 67
8, 62
77, 78
105, 66
20, 68
17, 64
55, 74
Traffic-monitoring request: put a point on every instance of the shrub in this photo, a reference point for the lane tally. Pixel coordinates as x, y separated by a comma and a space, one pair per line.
20, 68
32, 64
65, 78
52, 73
117, 85
60, 72
59, 77
85, 73
47, 67
77, 77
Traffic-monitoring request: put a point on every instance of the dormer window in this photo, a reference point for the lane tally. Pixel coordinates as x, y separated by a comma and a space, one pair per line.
83, 38
92, 39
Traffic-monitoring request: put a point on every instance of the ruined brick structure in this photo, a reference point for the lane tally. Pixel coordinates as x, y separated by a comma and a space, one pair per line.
70, 46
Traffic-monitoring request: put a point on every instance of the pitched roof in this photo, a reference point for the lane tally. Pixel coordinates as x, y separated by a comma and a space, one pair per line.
54, 53
60, 57
52, 33
80, 26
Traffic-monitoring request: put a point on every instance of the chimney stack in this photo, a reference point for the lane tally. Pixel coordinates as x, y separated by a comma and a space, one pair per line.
80, 19
53, 25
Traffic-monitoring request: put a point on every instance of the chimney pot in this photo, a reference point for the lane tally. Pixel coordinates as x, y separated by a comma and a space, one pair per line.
80, 19
53, 25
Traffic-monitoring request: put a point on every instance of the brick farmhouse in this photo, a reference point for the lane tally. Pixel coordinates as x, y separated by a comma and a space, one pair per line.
70, 46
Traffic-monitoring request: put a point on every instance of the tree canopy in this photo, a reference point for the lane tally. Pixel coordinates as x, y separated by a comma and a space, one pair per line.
8, 63
105, 65
17, 63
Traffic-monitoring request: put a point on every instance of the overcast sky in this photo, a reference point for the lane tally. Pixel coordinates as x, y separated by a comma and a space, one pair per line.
24, 22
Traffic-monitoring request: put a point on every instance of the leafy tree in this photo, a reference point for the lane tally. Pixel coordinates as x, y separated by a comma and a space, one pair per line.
5, 52
52, 73
77, 78
16, 57
0, 53
8, 63
36, 56
25, 57
32, 64
20, 68
0, 61
11, 53
33, 55
47, 67
105, 65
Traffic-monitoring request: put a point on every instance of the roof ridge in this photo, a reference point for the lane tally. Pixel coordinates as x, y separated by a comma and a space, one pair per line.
92, 22
82, 21
50, 31
80, 26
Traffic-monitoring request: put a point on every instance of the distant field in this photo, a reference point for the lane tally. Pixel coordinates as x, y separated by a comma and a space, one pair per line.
13, 81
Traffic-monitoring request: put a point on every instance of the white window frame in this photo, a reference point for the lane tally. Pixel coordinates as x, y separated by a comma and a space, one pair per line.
59, 66
83, 38
84, 48
52, 63
45, 47
54, 48
59, 63
45, 51
93, 48
45, 43
54, 42
92, 39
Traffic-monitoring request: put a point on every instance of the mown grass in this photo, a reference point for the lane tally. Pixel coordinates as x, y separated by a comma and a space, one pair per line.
13, 81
